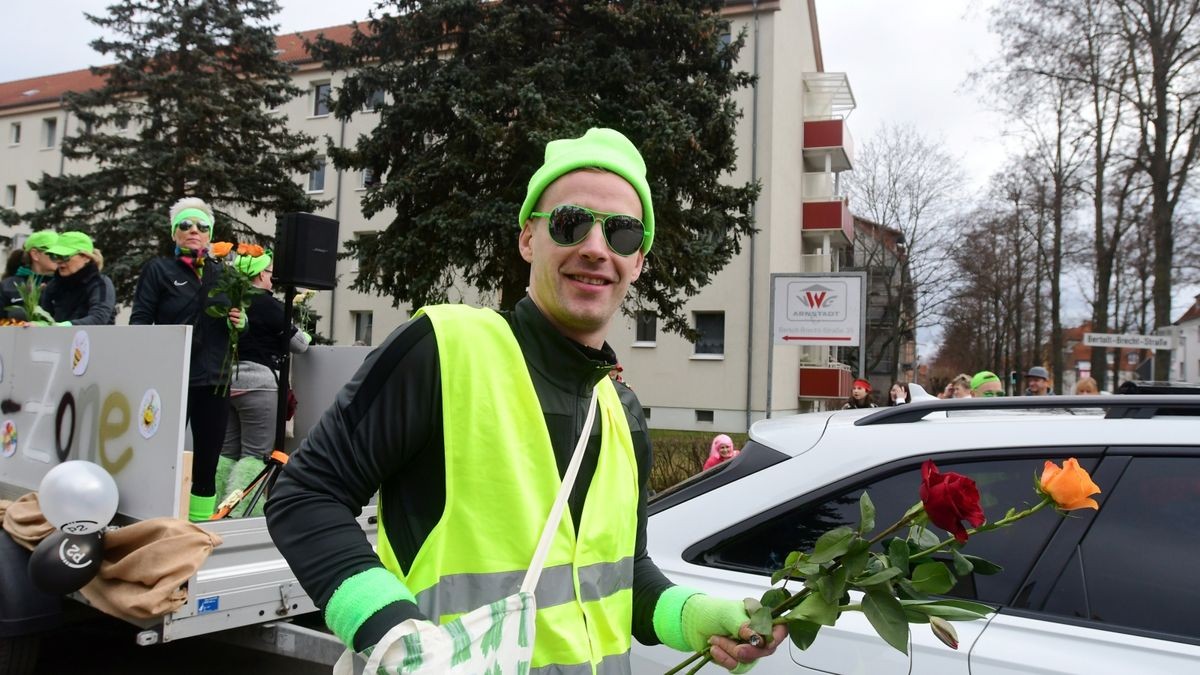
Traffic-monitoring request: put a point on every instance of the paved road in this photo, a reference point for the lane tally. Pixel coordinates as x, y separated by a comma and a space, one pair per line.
103, 647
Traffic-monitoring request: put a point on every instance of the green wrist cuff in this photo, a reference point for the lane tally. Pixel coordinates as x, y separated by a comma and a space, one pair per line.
668, 617
359, 597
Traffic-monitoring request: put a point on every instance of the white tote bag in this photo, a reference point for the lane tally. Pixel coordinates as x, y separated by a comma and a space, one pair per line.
495, 639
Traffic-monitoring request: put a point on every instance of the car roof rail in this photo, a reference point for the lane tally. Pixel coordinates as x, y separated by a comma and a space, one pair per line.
1150, 387
1137, 407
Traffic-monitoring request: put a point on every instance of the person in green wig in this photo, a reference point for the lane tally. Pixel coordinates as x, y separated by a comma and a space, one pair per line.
254, 389
175, 290
464, 421
35, 264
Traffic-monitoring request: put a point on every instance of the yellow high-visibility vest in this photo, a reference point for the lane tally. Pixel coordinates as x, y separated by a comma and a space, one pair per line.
501, 481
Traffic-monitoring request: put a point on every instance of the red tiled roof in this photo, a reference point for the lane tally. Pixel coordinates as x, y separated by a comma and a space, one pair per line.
1193, 312
50, 88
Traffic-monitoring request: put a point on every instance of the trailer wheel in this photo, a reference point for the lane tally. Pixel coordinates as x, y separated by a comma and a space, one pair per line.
18, 655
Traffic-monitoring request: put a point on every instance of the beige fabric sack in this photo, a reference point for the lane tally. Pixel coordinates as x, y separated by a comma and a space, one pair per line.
145, 564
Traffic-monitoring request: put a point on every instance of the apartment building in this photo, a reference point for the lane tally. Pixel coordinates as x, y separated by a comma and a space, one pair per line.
793, 138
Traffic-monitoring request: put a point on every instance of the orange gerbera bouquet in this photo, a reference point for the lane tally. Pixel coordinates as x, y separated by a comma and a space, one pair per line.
242, 263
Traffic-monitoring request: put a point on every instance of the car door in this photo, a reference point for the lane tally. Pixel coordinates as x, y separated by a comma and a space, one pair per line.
1124, 597
757, 547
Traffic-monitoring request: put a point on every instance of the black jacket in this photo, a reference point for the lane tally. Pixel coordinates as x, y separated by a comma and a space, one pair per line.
85, 298
267, 333
168, 292
385, 429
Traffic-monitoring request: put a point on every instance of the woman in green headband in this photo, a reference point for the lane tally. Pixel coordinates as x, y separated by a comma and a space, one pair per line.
175, 290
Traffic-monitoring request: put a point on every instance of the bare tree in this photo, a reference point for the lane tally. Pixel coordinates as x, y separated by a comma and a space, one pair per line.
1162, 38
908, 184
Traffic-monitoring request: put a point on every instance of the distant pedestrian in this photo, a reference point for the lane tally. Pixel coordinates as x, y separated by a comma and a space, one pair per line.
1037, 382
985, 384
898, 394
1086, 387
721, 450
960, 386
860, 396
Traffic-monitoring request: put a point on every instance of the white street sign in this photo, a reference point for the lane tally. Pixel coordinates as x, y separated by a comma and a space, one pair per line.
1129, 341
817, 309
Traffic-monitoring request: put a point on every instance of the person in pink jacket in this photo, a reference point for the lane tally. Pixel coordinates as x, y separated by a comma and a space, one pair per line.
722, 450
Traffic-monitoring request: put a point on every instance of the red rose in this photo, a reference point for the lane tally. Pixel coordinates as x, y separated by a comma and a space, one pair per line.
949, 499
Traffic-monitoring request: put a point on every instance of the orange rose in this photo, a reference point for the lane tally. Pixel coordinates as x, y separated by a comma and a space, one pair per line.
252, 250
220, 249
1070, 487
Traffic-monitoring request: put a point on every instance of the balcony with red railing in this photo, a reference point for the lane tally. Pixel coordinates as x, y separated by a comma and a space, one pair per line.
832, 381
830, 217
828, 145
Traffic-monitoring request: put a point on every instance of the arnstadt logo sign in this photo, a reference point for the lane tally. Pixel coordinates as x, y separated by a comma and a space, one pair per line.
817, 302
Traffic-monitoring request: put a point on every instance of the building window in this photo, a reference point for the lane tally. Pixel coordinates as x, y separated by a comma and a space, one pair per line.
704, 415
647, 326
49, 132
375, 101
711, 326
366, 179
10, 195
646, 413
316, 177
320, 97
14, 133
363, 324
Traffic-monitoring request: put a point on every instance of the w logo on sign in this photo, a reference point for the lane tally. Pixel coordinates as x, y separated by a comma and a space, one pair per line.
814, 300
817, 297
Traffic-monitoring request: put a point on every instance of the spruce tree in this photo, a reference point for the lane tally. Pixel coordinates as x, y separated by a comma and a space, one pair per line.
185, 110
474, 90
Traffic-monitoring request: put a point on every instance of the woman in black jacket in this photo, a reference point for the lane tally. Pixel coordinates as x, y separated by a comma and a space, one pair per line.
79, 295
175, 291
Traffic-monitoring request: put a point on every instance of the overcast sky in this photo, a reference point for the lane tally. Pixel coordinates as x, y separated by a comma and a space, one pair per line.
907, 61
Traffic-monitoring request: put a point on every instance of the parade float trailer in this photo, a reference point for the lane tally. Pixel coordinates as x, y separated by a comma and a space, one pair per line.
117, 396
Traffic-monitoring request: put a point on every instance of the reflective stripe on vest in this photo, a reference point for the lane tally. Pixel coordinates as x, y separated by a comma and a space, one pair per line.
501, 479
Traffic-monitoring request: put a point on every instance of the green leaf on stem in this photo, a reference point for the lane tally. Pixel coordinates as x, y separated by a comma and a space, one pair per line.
855, 561
760, 622
832, 585
816, 609
932, 577
215, 311
792, 558
905, 589
898, 554
866, 514
832, 544
751, 605
962, 566
775, 597
803, 633
807, 569
968, 605
982, 565
923, 538
947, 611
886, 574
887, 618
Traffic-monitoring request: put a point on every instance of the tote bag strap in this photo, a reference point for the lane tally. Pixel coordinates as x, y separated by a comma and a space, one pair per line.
543, 548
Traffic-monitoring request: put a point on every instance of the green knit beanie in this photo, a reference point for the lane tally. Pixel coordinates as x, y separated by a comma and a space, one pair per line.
252, 266
600, 148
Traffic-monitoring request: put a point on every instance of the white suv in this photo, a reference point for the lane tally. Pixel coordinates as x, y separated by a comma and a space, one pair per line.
1108, 591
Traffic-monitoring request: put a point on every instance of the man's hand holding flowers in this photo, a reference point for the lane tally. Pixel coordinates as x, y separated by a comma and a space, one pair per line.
233, 294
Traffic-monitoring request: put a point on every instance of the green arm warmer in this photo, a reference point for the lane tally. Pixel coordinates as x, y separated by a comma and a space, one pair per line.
359, 597
668, 617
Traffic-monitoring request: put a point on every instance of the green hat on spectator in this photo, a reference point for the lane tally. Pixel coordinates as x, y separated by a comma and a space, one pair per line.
252, 266
41, 240
70, 243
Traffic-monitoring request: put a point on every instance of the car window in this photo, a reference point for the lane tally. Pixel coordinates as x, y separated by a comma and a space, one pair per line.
1131, 568
762, 547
